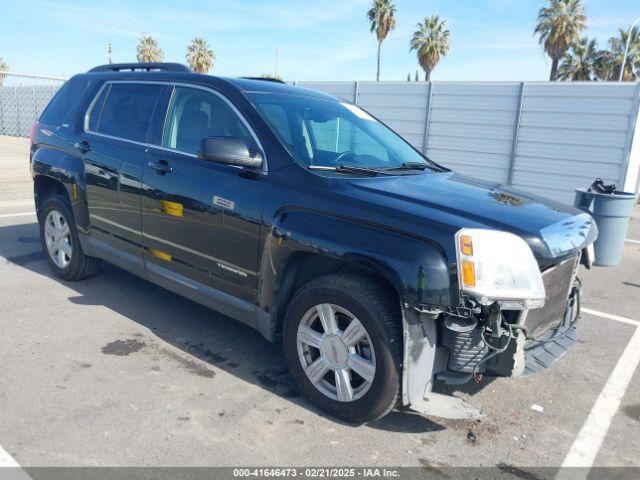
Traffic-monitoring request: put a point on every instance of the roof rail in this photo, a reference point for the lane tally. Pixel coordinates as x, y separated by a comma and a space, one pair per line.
265, 79
145, 67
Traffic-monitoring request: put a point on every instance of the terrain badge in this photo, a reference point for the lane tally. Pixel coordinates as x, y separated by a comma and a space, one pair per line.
224, 203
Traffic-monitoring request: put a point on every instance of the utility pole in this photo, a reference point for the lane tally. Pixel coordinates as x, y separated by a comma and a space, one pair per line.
110, 53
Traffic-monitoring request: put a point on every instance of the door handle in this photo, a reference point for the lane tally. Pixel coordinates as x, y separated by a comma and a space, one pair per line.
82, 147
161, 167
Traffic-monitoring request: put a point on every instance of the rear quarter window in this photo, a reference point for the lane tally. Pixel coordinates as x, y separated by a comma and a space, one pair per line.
64, 102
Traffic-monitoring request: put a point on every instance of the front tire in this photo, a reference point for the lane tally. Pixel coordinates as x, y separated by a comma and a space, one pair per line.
60, 242
343, 345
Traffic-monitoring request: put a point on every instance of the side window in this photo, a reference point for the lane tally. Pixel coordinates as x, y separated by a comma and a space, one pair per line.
96, 111
126, 111
195, 114
63, 102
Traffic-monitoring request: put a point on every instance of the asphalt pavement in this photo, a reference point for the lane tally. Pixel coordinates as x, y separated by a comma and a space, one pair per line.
114, 371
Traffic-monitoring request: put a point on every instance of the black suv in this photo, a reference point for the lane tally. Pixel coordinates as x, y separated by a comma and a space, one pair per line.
308, 219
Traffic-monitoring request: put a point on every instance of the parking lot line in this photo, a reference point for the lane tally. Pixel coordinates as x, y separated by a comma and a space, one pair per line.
23, 214
589, 440
16, 472
611, 317
6, 460
632, 241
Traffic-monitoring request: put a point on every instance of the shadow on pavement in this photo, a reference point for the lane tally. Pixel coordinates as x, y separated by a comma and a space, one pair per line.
203, 333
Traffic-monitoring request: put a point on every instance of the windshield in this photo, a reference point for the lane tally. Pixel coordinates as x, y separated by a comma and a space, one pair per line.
324, 132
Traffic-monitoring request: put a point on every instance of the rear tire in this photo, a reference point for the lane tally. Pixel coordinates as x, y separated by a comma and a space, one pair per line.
60, 242
342, 341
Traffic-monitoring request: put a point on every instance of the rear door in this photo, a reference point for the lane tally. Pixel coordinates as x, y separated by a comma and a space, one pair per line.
113, 147
201, 220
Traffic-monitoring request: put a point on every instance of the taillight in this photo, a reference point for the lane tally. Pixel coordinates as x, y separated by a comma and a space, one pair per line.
34, 130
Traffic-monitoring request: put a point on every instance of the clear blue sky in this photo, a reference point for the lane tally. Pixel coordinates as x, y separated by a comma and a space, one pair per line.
491, 39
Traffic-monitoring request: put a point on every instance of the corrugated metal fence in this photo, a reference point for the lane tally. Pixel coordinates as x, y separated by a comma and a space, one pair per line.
539, 136
546, 137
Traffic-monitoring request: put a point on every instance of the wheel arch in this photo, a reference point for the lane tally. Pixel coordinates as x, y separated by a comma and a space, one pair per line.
44, 186
55, 171
303, 267
303, 245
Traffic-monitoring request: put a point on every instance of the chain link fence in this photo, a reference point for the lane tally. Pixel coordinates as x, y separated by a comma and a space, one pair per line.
22, 99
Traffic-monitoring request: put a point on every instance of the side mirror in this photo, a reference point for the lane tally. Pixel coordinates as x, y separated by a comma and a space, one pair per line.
229, 150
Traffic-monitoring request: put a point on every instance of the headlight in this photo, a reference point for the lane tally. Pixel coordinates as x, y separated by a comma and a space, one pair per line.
498, 266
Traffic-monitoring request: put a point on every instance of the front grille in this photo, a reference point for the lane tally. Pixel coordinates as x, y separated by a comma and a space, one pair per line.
557, 284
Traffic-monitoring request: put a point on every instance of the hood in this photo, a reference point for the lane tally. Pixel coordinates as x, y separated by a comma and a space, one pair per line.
552, 229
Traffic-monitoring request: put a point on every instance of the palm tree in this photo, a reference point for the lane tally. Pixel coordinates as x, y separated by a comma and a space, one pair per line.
579, 63
148, 50
603, 66
607, 63
559, 26
199, 56
383, 20
431, 42
616, 53
3, 68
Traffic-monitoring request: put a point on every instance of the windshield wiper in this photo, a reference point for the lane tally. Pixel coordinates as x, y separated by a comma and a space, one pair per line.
419, 166
349, 169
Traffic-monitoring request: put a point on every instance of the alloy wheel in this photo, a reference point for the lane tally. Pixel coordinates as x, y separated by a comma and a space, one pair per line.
58, 239
336, 352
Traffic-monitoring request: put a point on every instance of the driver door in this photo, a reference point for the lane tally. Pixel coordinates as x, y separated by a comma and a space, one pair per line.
201, 220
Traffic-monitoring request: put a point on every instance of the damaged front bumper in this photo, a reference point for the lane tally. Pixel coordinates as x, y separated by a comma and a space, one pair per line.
543, 352
524, 342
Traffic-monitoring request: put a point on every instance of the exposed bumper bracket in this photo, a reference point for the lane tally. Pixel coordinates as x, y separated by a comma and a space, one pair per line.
422, 360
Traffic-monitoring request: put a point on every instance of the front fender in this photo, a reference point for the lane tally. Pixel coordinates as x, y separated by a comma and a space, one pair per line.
417, 269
